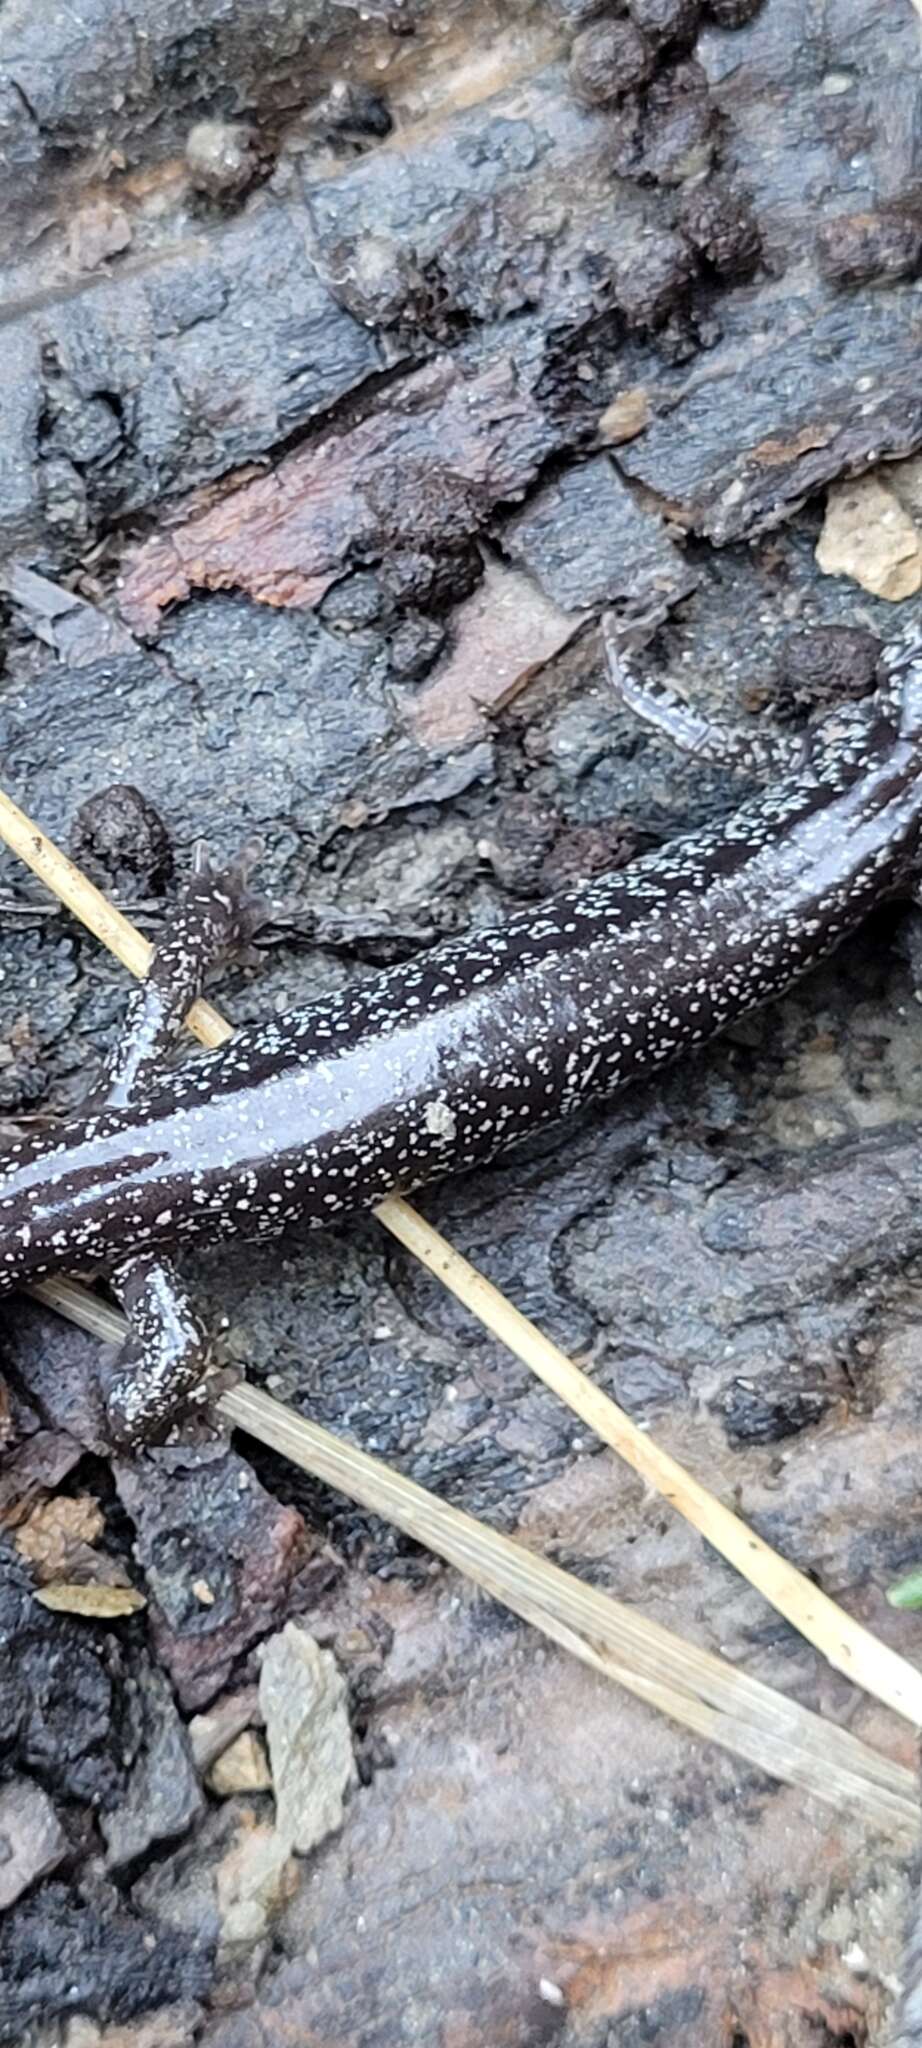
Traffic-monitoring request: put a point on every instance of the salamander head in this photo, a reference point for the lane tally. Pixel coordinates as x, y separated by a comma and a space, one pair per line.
866, 729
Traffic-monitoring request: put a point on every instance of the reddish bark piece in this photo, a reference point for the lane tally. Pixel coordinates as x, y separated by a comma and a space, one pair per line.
820, 1998
426, 465
502, 635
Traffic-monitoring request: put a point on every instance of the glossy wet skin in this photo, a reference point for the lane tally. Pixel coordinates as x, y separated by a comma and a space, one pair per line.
441, 1063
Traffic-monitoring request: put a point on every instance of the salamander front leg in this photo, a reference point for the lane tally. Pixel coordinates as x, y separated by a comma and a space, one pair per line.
162, 1363
727, 746
213, 919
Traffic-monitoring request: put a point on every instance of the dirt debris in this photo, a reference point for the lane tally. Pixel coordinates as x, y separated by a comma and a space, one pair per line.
120, 87
172, 2026
721, 224
58, 1533
121, 841
733, 14
824, 666
64, 1698
588, 850
223, 158
670, 135
256, 1878
65, 1950
669, 24
625, 417
98, 231
227, 1887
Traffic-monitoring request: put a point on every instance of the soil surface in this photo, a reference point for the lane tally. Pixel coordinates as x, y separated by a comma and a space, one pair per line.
354, 360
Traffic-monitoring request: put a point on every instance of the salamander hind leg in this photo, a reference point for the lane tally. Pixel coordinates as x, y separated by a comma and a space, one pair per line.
214, 919
159, 1370
160, 1367
726, 746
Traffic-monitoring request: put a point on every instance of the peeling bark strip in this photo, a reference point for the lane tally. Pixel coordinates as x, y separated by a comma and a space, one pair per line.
741, 450
424, 470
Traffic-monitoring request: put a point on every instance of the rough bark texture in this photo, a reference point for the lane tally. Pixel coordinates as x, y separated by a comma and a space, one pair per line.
325, 451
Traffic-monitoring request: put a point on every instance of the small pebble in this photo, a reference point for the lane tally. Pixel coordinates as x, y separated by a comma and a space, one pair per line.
625, 417
222, 158
870, 537
122, 841
720, 224
608, 60
654, 281
242, 1767
880, 246
668, 24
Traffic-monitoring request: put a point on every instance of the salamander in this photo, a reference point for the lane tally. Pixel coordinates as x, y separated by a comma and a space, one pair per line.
444, 1061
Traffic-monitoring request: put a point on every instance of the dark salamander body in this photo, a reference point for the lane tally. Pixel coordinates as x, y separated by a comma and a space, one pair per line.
445, 1062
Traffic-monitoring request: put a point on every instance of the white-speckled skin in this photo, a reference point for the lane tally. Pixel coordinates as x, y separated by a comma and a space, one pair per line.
446, 1061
